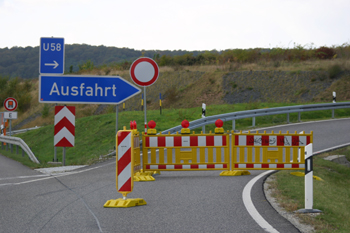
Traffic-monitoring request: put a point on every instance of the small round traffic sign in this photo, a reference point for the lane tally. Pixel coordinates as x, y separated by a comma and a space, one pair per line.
144, 71
10, 104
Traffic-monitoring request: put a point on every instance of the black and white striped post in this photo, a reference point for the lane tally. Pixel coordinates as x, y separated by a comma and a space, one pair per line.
309, 173
334, 101
203, 115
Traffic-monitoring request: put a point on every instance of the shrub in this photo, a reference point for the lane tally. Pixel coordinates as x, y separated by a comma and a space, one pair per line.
334, 71
325, 53
45, 111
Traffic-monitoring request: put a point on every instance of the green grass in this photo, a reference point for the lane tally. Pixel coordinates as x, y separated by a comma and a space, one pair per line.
95, 135
331, 196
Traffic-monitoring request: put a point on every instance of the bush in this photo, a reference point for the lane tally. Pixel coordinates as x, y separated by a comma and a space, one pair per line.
325, 53
334, 71
45, 111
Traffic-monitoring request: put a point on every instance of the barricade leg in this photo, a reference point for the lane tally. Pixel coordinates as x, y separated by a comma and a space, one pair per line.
233, 159
144, 176
124, 202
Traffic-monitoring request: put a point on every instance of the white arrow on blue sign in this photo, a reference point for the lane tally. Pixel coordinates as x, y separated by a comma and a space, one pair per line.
51, 59
80, 89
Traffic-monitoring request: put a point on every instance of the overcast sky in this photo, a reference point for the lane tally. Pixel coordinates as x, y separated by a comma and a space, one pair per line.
174, 25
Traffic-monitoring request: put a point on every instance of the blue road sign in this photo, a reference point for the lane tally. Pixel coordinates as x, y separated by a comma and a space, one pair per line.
51, 59
79, 89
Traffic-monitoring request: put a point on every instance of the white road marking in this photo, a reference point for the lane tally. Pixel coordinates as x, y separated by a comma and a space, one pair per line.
58, 175
247, 200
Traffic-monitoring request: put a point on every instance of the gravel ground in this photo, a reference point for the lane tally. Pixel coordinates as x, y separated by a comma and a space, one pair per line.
274, 86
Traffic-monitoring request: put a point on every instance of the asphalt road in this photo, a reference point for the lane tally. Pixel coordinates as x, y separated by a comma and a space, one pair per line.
196, 201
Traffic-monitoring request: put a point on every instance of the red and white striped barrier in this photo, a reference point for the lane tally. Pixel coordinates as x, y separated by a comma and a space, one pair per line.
186, 152
186, 167
186, 141
271, 140
269, 166
124, 164
269, 151
64, 126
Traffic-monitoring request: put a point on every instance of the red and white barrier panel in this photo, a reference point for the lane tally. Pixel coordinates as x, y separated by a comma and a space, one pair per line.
186, 167
64, 126
269, 166
271, 140
124, 172
186, 141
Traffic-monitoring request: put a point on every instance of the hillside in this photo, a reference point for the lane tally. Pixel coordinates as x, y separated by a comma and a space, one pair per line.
190, 86
24, 62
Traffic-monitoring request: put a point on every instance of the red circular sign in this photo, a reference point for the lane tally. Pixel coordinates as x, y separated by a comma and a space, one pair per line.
10, 104
144, 71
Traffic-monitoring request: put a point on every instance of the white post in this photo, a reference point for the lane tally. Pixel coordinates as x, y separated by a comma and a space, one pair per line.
309, 173
203, 115
334, 100
309, 182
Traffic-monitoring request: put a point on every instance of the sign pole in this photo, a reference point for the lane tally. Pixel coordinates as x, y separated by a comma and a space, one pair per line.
10, 127
144, 108
64, 156
116, 119
55, 153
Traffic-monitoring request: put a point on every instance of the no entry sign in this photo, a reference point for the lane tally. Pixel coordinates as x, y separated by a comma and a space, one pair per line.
144, 71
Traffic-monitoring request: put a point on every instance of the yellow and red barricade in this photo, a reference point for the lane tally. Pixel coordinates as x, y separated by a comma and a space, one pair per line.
185, 151
273, 151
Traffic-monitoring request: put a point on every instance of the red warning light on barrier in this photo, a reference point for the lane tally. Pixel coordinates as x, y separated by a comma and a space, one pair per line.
131, 125
185, 124
134, 124
152, 124
219, 123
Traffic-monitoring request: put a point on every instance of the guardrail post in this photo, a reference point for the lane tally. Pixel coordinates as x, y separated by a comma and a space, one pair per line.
11, 146
2, 145
233, 124
22, 152
288, 118
299, 117
332, 113
17, 149
7, 146
253, 122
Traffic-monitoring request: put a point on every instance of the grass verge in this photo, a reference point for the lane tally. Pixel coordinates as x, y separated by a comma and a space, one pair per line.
331, 196
95, 135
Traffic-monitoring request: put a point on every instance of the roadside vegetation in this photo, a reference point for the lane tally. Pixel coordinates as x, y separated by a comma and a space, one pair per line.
331, 196
95, 135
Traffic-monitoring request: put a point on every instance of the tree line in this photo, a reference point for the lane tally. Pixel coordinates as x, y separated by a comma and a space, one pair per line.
24, 62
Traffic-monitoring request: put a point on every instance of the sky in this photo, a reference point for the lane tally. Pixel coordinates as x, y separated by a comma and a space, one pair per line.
177, 25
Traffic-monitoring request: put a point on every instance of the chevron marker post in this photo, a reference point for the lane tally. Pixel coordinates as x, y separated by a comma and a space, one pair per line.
64, 128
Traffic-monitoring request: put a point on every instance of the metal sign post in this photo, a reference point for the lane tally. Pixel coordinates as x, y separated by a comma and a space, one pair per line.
145, 110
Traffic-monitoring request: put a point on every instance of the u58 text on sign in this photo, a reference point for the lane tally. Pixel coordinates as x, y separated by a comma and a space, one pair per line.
85, 89
51, 59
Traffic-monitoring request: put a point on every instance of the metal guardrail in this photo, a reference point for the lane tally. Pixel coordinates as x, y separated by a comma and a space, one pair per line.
23, 130
260, 112
19, 142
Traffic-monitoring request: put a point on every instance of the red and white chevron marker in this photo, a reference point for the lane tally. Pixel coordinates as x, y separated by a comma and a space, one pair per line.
125, 181
64, 126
